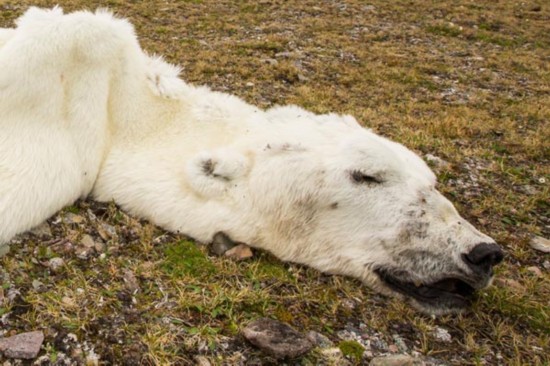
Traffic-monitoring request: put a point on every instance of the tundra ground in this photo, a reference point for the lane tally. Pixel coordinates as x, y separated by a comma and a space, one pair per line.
468, 82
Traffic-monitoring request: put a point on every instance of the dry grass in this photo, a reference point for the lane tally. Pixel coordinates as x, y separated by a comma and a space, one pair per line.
466, 81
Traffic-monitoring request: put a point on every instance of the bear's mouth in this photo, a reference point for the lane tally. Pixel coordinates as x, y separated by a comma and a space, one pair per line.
445, 294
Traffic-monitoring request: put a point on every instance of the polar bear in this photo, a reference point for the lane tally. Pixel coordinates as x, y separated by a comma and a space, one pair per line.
84, 111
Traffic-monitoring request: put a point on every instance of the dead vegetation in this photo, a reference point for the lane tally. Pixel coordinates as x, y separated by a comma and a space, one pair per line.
468, 82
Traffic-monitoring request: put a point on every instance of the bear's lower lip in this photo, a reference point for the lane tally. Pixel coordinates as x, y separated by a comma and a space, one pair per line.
448, 293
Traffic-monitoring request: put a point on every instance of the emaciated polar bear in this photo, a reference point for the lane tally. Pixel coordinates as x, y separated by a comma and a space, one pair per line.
83, 110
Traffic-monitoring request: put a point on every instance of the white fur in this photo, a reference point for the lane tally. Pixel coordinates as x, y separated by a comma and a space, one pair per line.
82, 107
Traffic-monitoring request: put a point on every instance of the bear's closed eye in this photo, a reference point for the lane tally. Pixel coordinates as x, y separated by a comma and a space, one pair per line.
359, 177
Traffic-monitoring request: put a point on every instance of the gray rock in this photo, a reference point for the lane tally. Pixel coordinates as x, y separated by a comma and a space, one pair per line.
400, 343
442, 334
23, 345
318, 339
276, 338
221, 243
55, 264
106, 231
42, 231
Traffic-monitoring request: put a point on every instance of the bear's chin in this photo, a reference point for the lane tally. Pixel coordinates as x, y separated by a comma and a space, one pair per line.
444, 296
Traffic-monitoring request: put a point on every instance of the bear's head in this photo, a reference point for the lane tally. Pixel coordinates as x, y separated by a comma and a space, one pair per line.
323, 191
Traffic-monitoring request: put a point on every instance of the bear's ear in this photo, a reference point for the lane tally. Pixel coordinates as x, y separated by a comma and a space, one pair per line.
212, 173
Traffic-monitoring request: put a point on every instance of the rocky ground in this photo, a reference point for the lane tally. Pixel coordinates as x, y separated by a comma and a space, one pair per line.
465, 84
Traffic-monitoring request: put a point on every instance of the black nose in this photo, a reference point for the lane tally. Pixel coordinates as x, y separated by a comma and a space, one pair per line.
483, 257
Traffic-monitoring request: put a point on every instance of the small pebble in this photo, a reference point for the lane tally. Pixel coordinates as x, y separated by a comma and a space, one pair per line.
71, 218
240, 252
87, 241
442, 334
67, 301
55, 264
541, 244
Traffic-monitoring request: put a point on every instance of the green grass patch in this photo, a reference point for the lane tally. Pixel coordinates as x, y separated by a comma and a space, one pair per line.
266, 46
268, 271
444, 30
520, 308
498, 40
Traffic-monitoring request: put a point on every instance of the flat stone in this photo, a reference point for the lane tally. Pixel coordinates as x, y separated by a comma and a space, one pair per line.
276, 338
240, 252
541, 244
23, 345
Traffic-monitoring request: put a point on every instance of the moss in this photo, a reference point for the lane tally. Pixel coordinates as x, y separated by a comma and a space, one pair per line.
352, 349
186, 259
